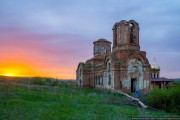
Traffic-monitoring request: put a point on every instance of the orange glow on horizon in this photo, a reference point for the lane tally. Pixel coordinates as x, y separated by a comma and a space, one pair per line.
31, 68
9, 75
29, 61
32, 55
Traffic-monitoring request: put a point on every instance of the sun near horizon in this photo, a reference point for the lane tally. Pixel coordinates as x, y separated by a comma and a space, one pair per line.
39, 75
32, 68
9, 75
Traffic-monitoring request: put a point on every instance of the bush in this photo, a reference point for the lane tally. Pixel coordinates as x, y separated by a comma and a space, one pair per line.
165, 99
68, 84
6, 91
37, 81
51, 82
54, 83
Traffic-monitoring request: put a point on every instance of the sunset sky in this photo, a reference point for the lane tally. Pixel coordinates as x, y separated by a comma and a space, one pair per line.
50, 37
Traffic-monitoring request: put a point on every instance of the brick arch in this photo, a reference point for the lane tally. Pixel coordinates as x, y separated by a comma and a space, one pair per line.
134, 36
107, 58
122, 22
134, 23
142, 58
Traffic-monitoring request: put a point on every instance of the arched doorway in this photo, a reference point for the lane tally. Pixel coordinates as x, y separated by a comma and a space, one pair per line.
135, 74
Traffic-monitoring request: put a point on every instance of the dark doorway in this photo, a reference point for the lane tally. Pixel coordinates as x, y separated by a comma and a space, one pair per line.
80, 83
160, 85
133, 85
120, 84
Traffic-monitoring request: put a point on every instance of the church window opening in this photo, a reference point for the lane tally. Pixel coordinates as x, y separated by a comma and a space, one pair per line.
132, 34
98, 49
109, 72
95, 49
80, 73
115, 35
80, 82
120, 84
98, 80
102, 80
152, 75
105, 48
109, 67
109, 79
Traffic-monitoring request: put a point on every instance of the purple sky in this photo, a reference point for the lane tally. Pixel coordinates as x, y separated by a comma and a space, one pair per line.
58, 34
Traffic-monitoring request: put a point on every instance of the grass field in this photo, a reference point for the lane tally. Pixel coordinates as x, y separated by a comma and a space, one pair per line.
19, 102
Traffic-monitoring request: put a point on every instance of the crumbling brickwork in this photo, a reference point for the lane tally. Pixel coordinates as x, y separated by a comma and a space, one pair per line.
125, 68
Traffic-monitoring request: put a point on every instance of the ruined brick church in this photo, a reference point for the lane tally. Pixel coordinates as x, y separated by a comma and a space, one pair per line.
124, 68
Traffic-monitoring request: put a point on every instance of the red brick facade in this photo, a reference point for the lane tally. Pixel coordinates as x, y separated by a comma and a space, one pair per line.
125, 68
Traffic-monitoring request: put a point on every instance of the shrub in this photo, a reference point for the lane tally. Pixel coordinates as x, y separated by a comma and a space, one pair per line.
68, 84
51, 82
6, 91
37, 81
54, 82
165, 99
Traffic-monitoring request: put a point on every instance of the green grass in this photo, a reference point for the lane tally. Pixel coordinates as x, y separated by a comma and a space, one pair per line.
53, 103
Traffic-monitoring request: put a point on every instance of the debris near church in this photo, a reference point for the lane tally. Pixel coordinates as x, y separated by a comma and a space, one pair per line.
132, 98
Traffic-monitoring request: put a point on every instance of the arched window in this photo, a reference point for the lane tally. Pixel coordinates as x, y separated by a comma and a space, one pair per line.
99, 80
132, 34
105, 49
80, 83
79, 72
120, 84
95, 49
109, 67
98, 49
96, 80
155, 75
109, 72
102, 80
109, 79
115, 35
152, 75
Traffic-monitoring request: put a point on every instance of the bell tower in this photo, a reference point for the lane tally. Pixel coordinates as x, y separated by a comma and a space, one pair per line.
126, 35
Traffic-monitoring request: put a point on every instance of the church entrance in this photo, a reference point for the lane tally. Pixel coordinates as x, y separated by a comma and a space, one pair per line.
80, 82
133, 85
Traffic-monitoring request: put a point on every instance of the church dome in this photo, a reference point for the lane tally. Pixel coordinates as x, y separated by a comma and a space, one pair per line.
155, 66
102, 40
